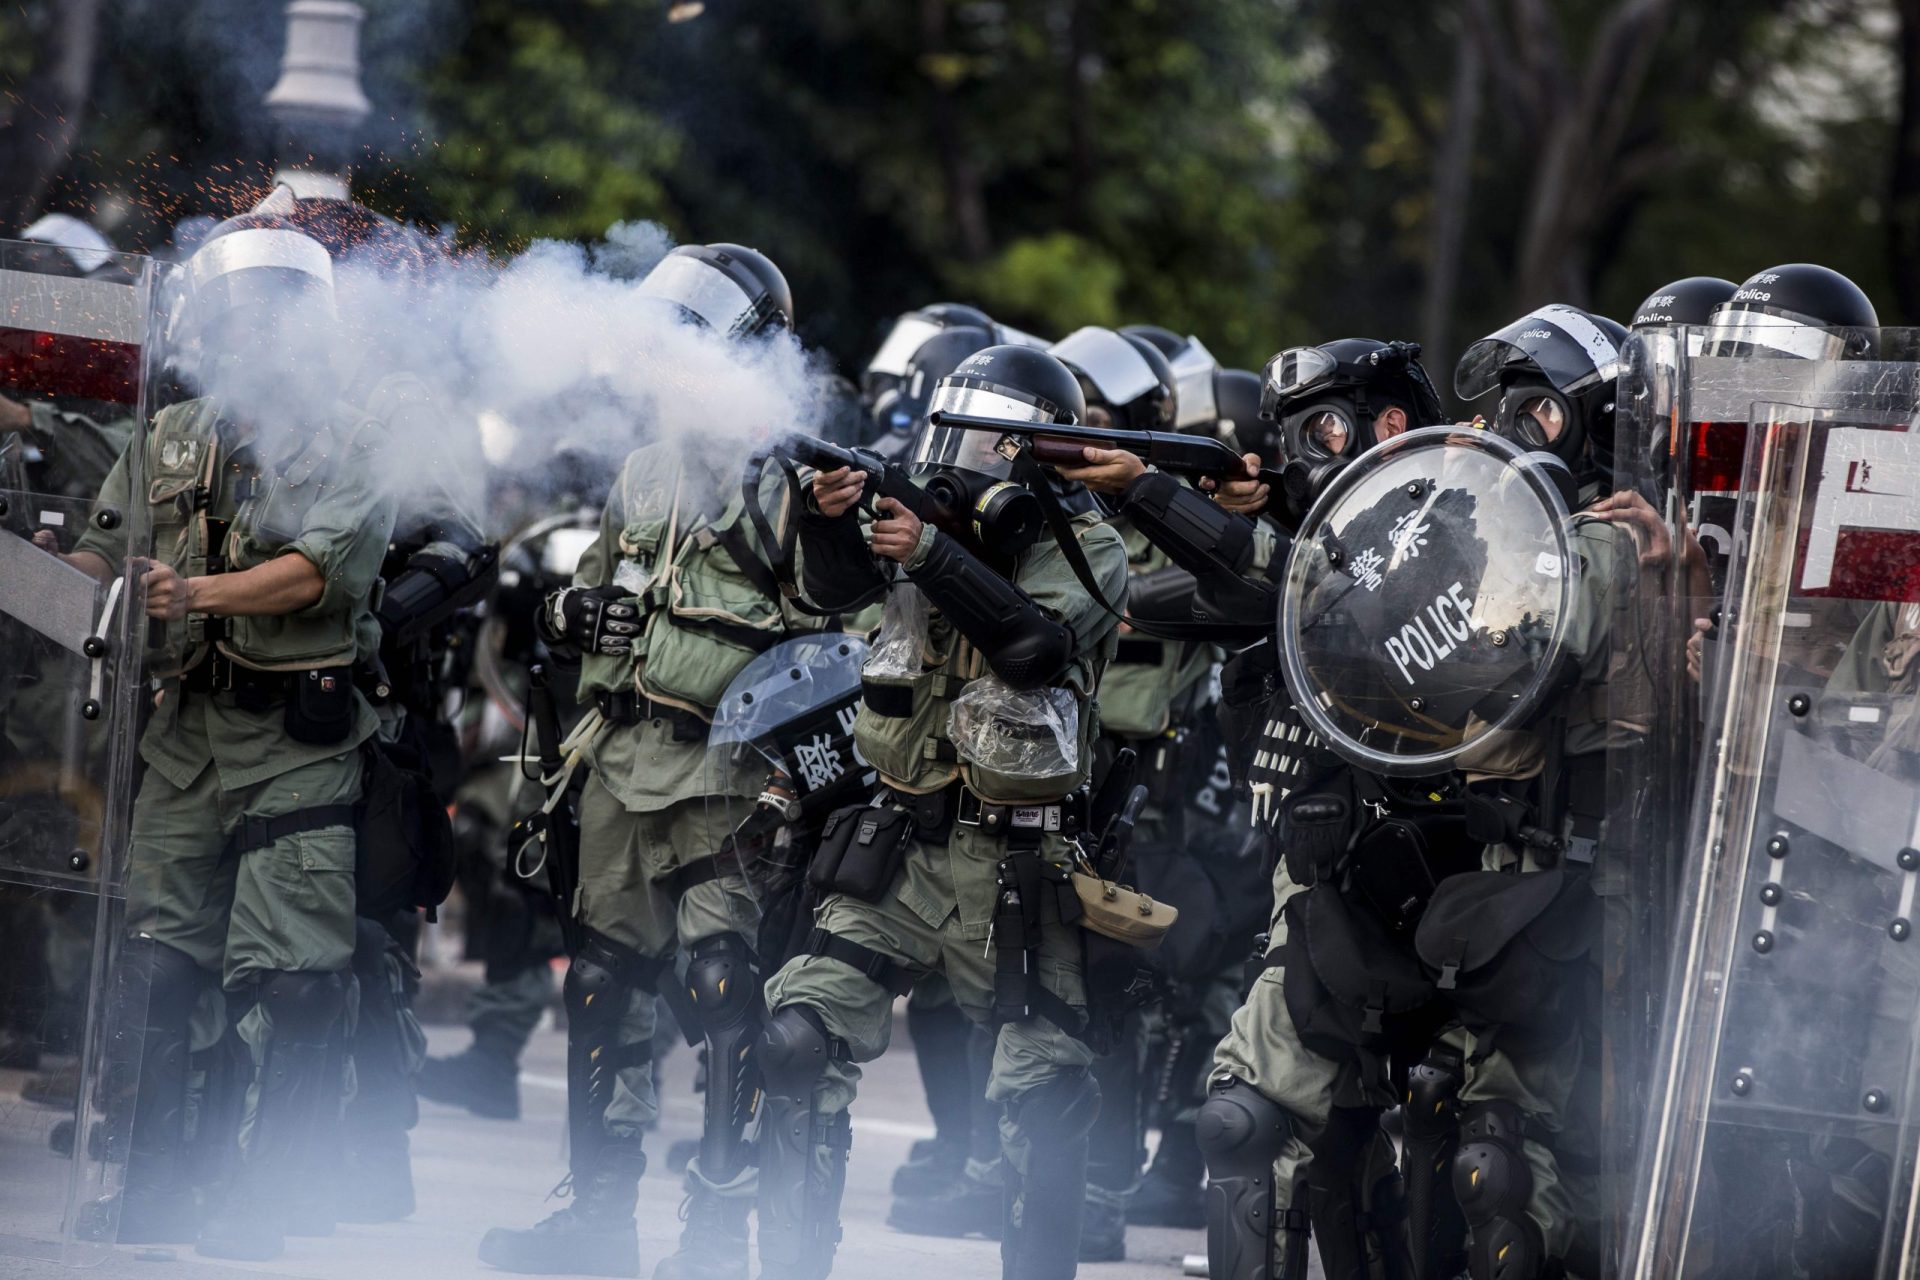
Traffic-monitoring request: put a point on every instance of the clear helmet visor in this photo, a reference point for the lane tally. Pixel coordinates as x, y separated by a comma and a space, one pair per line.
1750, 331
1564, 343
973, 450
1119, 373
1297, 369
909, 334
1193, 370
701, 289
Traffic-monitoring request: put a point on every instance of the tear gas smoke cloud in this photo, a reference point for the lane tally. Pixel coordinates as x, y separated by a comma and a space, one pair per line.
554, 358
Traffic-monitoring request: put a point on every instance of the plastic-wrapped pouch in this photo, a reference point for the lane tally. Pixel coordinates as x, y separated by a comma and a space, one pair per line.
1024, 734
902, 642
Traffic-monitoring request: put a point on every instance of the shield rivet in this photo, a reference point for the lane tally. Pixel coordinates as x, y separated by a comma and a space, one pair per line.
1763, 941
1799, 704
793, 674
90, 710
1742, 1084
1874, 1101
1779, 846
1413, 490
107, 517
1417, 704
1499, 639
1900, 929
78, 860
746, 698
1771, 894
1909, 859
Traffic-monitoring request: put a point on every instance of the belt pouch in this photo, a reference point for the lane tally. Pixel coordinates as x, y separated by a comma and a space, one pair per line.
861, 851
320, 706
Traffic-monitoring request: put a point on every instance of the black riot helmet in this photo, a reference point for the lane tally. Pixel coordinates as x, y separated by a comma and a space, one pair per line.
1236, 396
909, 333
1557, 369
1195, 377
896, 411
1800, 311
1683, 302
963, 470
1324, 401
1165, 340
1124, 374
728, 288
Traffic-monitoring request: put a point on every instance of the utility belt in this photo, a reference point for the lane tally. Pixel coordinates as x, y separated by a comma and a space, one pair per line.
317, 702
628, 707
936, 813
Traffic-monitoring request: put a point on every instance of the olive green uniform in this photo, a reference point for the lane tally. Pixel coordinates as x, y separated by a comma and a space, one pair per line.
652, 808
938, 914
212, 762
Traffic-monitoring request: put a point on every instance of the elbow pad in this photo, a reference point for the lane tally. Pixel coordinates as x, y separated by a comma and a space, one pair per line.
1196, 533
439, 580
1164, 595
1024, 646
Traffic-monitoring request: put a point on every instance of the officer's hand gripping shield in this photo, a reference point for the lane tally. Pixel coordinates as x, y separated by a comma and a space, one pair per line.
74, 390
1425, 607
1776, 1129
779, 759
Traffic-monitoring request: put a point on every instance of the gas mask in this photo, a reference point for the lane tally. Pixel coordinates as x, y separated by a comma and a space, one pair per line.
964, 472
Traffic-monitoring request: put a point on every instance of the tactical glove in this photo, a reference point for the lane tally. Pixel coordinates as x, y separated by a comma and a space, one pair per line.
592, 619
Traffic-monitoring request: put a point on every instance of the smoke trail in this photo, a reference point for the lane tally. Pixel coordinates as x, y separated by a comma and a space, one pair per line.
554, 357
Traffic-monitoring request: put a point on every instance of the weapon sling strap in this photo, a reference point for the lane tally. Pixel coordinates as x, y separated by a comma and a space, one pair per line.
1030, 474
777, 569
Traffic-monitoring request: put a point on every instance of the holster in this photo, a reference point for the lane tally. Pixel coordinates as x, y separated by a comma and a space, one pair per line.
1029, 888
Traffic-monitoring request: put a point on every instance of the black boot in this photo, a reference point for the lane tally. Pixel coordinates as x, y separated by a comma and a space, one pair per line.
1044, 1202
482, 1082
971, 1205
1172, 1195
593, 1236
713, 1243
284, 1162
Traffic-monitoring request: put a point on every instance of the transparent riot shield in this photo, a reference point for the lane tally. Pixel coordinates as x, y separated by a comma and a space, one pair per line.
73, 392
780, 758
1426, 600
1778, 1137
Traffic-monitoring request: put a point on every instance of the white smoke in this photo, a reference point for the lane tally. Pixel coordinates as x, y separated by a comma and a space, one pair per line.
554, 359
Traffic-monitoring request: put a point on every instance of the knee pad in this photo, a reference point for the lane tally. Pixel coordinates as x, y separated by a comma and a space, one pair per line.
721, 978
593, 993
1240, 1130
1433, 1088
1493, 1182
172, 980
1060, 1110
303, 1005
794, 1051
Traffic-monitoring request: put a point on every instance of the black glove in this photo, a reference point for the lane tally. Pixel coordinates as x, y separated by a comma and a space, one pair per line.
591, 619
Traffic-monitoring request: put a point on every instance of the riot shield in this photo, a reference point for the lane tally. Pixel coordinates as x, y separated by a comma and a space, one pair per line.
73, 391
1426, 600
781, 757
1778, 1136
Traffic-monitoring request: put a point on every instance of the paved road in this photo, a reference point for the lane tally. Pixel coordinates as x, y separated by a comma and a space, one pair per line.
472, 1174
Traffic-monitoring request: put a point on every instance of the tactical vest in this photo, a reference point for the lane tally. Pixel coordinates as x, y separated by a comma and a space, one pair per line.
901, 729
704, 617
215, 511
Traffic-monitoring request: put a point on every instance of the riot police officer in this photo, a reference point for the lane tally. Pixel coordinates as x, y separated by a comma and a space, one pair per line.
1289, 1128
667, 605
978, 717
270, 537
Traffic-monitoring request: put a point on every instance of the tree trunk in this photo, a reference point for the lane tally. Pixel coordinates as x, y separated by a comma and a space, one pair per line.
966, 208
1079, 113
1452, 191
39, 134
1903, 208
